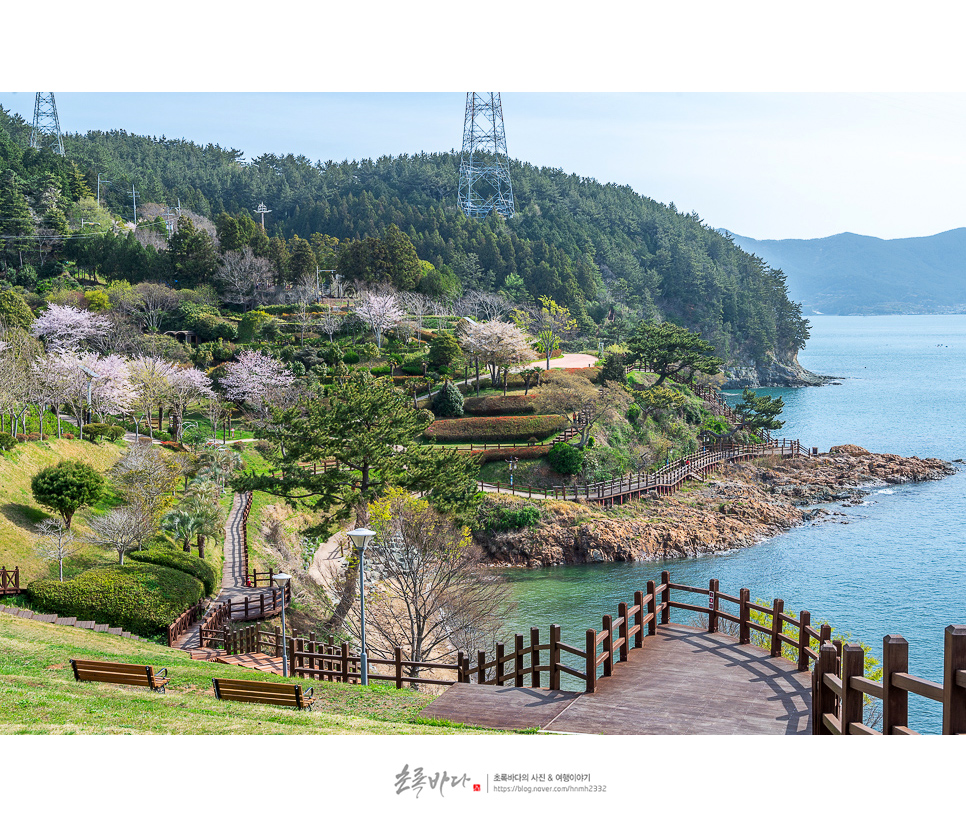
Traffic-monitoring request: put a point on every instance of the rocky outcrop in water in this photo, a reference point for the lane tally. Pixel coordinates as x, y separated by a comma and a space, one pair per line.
736, 506
775, 374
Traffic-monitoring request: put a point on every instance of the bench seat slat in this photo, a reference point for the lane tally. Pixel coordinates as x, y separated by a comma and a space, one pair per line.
280, 694
128, 674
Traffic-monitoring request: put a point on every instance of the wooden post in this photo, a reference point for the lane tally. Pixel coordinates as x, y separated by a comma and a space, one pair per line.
554, 657
607, 628
397, 660
480, 663
665, 598
853, 665
713, 606
591, 664
895, 701
534, 657
744, 616
776, 627
460, 665
823, 698
278, 642
518, 660
954, 695
622, 630
499, 664
639, 619
345, 663
804, 620
651, 608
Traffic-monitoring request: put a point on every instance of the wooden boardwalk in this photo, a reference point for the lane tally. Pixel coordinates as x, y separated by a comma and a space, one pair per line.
684, 681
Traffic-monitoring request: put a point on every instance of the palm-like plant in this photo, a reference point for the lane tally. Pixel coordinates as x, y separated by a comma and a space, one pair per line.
181, 524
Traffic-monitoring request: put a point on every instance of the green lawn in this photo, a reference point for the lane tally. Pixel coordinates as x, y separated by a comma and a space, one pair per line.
38, 694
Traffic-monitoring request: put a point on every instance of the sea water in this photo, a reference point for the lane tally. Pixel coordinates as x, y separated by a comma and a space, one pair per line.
895, 564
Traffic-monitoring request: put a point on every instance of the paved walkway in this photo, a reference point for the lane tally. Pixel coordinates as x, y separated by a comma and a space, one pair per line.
683, 681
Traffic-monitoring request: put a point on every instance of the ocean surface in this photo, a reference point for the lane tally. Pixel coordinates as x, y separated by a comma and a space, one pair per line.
896, 564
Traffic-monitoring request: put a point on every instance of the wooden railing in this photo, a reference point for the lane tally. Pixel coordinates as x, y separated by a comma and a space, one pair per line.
252, 638
260, 579
187, 619
666, 480
249, 497
9, 581
839, 688
256, 607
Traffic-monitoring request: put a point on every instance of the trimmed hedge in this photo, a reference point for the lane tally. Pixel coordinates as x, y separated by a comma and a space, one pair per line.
519, 452
496, 429
171, 556
141, 598
499, 405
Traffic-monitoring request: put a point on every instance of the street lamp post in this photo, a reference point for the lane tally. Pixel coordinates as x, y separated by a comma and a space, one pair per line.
282, 579
360, 539
91, 376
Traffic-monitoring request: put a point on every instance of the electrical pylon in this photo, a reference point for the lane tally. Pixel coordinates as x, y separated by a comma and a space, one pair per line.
46, 129
484, 167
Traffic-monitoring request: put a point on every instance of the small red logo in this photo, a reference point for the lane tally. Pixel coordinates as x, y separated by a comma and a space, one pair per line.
476, 787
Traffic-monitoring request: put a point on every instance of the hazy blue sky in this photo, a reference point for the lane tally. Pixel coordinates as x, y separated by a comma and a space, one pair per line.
765, 165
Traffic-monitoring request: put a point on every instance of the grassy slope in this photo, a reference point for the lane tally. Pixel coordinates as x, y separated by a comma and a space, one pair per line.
38, 694
18, 510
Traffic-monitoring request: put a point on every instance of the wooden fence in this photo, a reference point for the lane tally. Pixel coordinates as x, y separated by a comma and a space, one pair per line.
665, 481
257, 607
187, 619
839, 688
9, 581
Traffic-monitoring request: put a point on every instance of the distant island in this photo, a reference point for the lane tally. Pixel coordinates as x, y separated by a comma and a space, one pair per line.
849, 274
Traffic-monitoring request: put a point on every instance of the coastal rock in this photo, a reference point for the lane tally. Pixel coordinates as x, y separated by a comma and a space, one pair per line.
777, 373
737, 506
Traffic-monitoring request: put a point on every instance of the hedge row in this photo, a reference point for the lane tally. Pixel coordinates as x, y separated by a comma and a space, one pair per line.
518, 452
140, 598
499, 405
496, 429
171, 556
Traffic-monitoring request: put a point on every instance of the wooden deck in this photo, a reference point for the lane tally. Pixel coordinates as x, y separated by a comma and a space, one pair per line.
683, 681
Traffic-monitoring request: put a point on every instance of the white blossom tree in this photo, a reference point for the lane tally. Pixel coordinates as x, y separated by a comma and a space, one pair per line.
380, 311
186, 385
499, 345
63, 327
258, 380
152, 381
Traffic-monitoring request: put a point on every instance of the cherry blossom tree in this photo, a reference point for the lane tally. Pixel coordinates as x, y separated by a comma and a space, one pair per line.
63, 327
186, 384
105, 379
152, 381
499, 345
258, 380
381, 311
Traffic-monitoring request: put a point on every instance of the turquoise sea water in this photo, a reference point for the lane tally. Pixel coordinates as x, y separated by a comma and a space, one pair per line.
894, 565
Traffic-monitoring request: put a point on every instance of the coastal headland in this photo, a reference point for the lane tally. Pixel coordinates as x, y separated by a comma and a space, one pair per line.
736, 506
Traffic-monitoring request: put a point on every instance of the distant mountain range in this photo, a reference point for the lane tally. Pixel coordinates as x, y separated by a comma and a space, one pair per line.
851, 274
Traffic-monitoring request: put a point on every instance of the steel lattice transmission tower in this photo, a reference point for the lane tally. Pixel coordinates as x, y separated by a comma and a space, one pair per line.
46, 130
484, 167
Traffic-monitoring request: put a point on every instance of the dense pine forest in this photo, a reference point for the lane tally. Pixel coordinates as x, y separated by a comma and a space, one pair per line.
612, 256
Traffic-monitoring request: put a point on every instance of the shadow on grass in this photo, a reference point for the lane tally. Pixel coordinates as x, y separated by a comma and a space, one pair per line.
23, 515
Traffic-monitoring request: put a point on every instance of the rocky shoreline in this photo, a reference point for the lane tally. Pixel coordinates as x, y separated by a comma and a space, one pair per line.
736, 506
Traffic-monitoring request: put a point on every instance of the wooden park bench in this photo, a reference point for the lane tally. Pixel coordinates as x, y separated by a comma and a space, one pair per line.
130, 674
263, 692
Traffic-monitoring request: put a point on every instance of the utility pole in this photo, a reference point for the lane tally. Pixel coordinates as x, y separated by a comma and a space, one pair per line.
134, 196
99, 181
263, 210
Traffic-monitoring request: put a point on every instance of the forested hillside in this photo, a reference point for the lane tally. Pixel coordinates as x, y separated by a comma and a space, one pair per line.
611, 255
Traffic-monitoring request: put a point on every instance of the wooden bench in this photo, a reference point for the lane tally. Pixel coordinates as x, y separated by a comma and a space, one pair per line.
263, 692
130, 674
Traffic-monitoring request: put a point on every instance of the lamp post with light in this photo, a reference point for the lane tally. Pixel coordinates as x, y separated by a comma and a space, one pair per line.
361, 539
282, 579
91, 376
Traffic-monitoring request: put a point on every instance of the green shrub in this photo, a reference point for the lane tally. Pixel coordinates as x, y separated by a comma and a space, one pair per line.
499, 517
141, 598
7, 441
448, 403
171, 556
566, 459
496, 429
93, 431
519, 452
351, 357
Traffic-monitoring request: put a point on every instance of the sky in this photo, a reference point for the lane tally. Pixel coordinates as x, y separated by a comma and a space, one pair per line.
762, 165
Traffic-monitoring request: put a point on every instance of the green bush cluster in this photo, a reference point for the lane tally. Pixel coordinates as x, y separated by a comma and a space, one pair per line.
519, 452
499, 405
7, 441
141, 598
499, 518
171, 556
566, 459
94, 431
496, 429
448, 402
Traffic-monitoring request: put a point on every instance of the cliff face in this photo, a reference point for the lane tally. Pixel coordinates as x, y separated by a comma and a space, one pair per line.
779, 373
736, 506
